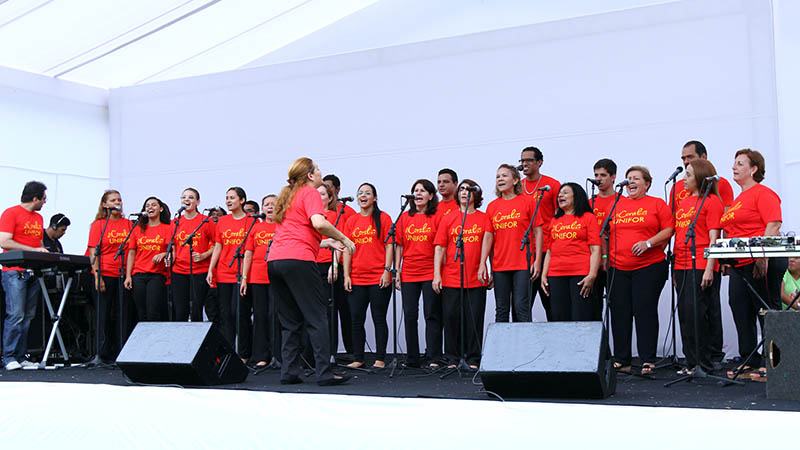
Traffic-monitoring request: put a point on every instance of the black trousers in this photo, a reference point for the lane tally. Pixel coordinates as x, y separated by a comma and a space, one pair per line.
474, 308
686, 316
536, 287
262, 322
635, 294
511, 295
341, 309
111, 336
181, 296
566, 302
599, 290
150, 296
212, 306
228, 293
745, 305
715, 323
297, 290
431, 310
377, 299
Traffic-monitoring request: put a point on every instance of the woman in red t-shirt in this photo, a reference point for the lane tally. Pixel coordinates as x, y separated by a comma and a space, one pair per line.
447, 276
228, 236
191, 266
330, 271
294, 282
573, 256
257, 282
640, 229
755, 212
510, 215
146, 271
366, 274
107, 273
415, 233
707, 231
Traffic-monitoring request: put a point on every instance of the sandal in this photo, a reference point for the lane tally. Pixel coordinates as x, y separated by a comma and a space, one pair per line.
685, 372
378, 364
743, 371
759, 375
356, 365
619, 367
648, 368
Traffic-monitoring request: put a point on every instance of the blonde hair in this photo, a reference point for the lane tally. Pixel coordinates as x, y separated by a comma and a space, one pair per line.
298, 173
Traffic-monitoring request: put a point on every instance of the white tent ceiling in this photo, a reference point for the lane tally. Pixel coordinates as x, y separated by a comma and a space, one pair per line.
111, 43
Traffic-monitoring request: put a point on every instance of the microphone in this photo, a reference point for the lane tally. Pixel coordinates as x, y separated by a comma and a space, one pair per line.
624, 183
180, 210
345, 199
593, 181
112, 208
520, 168
409, 197
713, 178
544, 188
672, 177
258, 216
474, 188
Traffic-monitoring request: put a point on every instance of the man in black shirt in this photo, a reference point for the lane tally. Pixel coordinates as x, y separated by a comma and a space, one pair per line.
58, 226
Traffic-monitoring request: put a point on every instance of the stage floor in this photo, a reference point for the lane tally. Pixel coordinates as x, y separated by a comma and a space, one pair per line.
415, 383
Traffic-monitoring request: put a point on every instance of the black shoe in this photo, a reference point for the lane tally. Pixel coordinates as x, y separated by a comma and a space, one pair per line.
294, 379
336, 380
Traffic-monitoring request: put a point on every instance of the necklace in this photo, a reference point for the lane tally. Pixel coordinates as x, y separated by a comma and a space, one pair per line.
525, 185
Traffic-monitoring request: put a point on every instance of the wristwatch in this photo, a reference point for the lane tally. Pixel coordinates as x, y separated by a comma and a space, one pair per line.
648, 244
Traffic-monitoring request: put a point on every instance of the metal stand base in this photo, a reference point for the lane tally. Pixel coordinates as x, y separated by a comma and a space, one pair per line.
699, 373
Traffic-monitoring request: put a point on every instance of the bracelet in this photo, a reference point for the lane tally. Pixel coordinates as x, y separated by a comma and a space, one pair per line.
604, 256
648, 244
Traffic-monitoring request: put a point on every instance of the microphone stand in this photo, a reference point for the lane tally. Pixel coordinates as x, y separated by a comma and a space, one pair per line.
462, 365
332, 304
698, 371
97, 361
120, 292
169, 258
393, 272
605, 231
237, 256
274, 363
671, 360
190, 242
526, 244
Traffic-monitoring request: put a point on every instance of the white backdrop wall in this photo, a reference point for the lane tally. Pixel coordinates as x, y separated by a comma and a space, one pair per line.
56, 132
631, 85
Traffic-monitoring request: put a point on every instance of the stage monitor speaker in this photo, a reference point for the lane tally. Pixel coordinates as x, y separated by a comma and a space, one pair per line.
184, 353
547, 360
781, 329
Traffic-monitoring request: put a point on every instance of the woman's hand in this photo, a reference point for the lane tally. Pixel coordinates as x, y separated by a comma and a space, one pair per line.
348, 284
349, 245
243, 288
483, 274
437, 284
210, 278
639, 248
100, 284
333, 274
708, 279
545, 285
586, 285
386, 280
536, 269
160, 257
128, 283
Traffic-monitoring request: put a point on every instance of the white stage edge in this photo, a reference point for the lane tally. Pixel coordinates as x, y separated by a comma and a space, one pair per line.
35, 415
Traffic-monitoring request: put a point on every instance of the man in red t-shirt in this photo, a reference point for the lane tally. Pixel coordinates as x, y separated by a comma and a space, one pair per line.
336, 184
531, 159
605, 173
696, 150
446, 184
21, 229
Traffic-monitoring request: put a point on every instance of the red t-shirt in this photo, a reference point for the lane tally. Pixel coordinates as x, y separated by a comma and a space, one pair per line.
634, 221
25, 227
475, 226
148, 244
547, 208
446, 207
203, 240
369, 260
601, 207
752, 210
509, 220
295, 237
325, 255
258, 242
415, 234
570, 238
230, 233
116, 232
725, 192
685, 211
